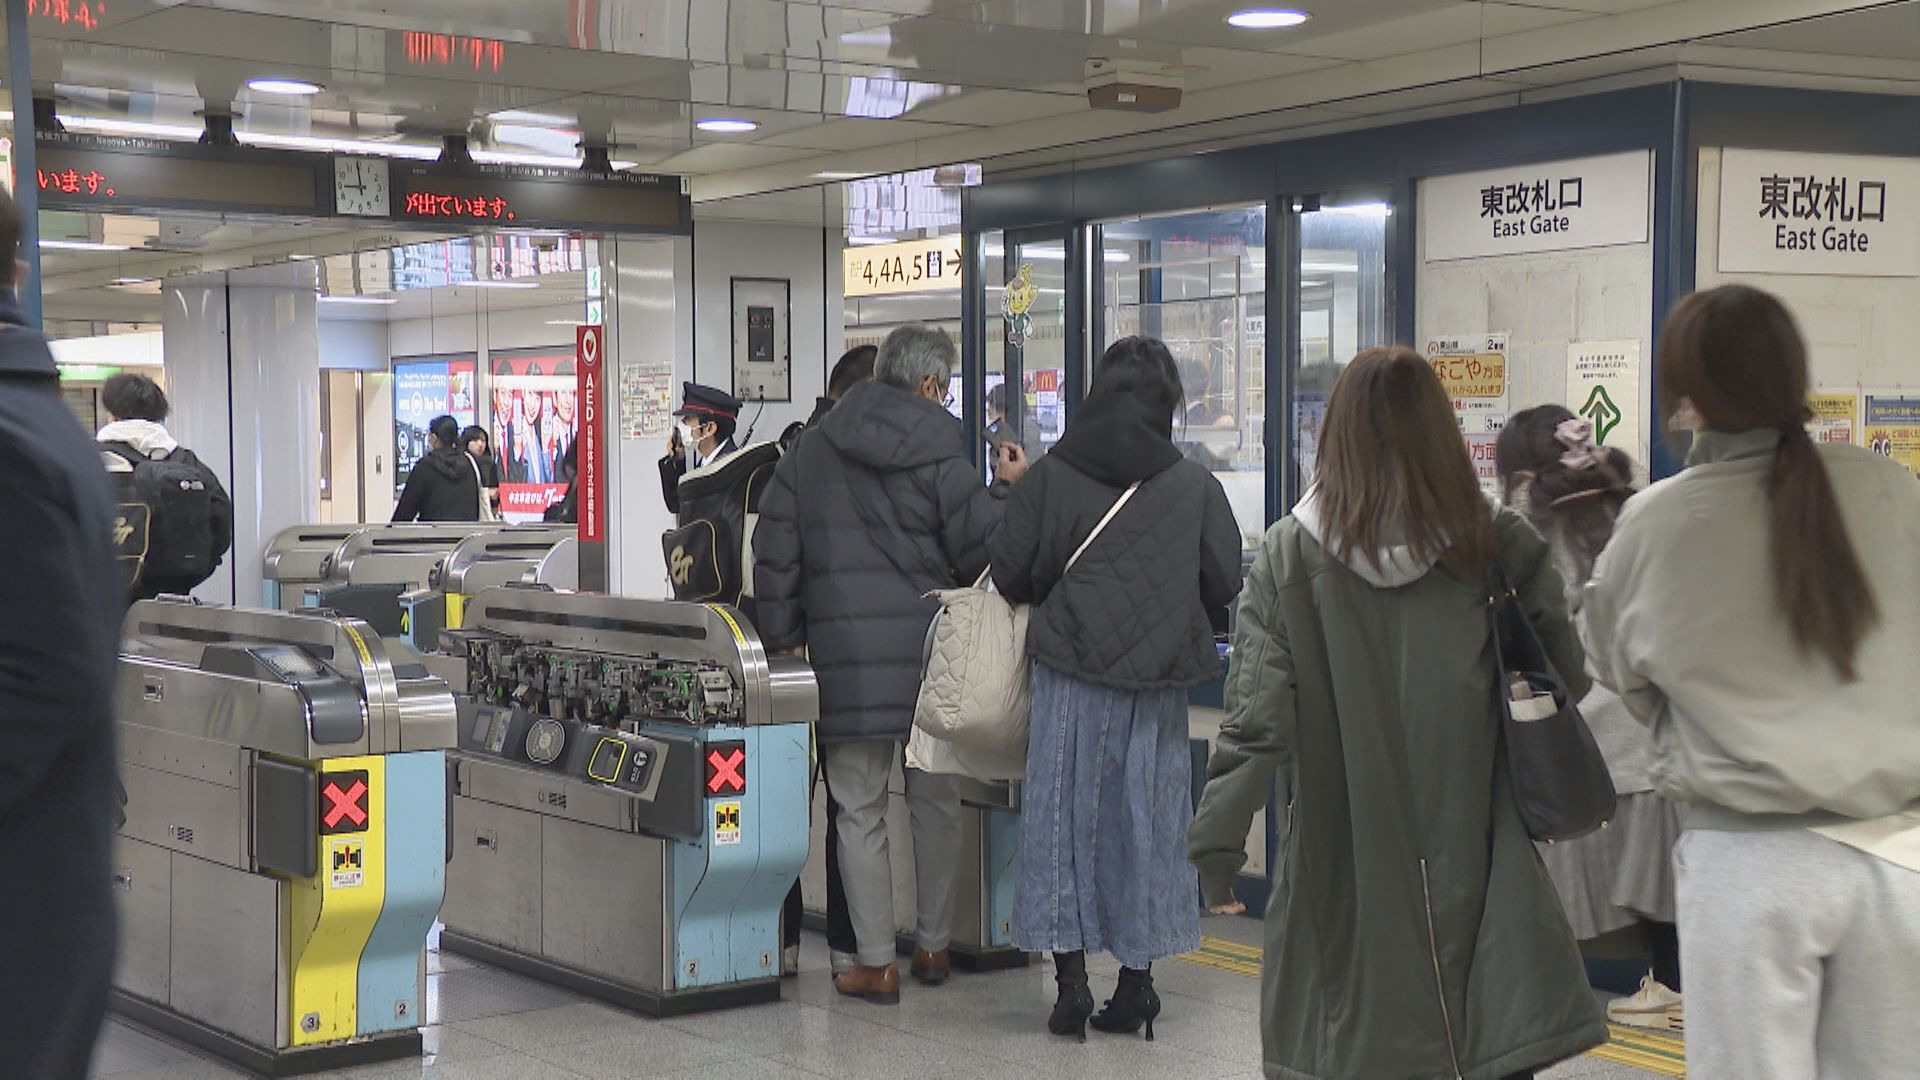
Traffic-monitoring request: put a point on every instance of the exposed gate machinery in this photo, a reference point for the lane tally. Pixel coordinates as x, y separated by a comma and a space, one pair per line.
630, 803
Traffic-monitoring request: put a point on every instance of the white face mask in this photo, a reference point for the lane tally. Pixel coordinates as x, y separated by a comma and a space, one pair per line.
690, 438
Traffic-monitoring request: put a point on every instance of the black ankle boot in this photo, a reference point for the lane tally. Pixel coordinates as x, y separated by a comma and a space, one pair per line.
1133, 1004
1075, 1003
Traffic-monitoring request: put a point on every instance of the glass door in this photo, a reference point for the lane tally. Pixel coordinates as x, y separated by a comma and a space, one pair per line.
1031, 376
1341, 310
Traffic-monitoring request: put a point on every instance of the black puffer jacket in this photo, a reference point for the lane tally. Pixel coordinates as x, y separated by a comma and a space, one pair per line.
443, 486
58, 801
867, 514
1138, 609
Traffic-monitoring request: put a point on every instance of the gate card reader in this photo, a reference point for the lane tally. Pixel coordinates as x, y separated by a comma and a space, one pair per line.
284, 851
639, 756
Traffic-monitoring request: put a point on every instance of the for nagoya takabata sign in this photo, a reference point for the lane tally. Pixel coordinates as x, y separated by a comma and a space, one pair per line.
1783, 213
1554, 206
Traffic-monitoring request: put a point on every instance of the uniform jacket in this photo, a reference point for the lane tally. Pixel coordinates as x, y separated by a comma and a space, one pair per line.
58, 795
870, 511
443, 486
673, 468
1137, 611
1412, 933
1748, 731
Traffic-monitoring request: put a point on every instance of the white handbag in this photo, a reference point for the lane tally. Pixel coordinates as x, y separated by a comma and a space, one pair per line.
977, 682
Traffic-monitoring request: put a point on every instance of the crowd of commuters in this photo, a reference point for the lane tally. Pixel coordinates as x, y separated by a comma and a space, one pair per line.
1740, 639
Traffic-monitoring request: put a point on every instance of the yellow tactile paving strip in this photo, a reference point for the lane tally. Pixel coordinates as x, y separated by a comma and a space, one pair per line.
1664, 1055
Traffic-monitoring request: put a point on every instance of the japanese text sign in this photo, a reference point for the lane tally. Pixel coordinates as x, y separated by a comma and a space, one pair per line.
1783, 213
908, 267
590, 366
1553, 206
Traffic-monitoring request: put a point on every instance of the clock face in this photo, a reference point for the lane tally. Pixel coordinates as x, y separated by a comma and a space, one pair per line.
360, 187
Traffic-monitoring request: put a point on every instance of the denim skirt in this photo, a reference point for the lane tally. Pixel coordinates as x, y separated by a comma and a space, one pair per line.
1103, 823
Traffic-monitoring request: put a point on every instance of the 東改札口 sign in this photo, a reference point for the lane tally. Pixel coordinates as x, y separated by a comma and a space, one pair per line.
1835, 214
1552, 206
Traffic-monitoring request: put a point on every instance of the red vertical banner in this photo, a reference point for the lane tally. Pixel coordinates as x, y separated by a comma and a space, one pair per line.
590, 354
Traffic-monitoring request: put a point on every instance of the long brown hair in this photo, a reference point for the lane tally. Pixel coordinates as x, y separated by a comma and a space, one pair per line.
1735, 354
1393, 469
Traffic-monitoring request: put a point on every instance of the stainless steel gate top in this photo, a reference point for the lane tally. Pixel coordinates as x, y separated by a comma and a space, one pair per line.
498, 558
403, 555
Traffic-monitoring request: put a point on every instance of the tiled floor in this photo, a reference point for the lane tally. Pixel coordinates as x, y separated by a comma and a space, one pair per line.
489, 1024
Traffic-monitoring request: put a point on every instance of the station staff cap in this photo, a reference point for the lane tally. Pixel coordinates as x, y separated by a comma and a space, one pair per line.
705, 402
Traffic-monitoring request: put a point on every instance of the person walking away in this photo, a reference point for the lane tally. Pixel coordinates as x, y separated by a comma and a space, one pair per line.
1619, 880
1412, 931
1760, 612
58, 645
173, 519
480, 446
445, 484
854, 367
1117, 638
879, 507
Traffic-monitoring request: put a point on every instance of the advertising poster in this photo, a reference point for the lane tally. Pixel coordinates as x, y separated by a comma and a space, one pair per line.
423, 388
535, 419
1836, 416
1603, 385
1473, 369
1480, 447
1892, 427
646, 399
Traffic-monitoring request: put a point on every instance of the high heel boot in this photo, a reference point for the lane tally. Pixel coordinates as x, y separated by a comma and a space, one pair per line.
1133, 1004
1075, 1003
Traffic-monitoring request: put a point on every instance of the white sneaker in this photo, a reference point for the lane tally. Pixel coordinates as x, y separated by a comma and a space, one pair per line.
790, 961
1655, 1007
844, 962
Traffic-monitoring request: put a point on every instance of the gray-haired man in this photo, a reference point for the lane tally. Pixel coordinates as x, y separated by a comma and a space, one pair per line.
874, 509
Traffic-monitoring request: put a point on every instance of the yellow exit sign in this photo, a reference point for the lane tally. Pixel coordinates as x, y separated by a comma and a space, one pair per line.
910, 266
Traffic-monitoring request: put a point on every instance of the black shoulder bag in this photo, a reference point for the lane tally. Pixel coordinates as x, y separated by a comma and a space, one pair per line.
1560, 782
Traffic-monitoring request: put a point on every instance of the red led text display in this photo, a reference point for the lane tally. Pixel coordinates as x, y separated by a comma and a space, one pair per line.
454, 50
85, 14
75, 182
430, 204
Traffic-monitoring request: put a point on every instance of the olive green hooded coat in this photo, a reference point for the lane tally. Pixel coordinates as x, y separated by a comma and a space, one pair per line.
1412, 931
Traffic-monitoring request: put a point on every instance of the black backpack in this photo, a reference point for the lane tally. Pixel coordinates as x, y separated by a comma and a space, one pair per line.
164, 525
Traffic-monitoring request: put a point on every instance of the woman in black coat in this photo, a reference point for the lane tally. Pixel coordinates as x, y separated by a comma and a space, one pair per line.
1117, 638
445, 484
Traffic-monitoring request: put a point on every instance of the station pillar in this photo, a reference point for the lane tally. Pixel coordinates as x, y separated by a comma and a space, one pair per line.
243, 375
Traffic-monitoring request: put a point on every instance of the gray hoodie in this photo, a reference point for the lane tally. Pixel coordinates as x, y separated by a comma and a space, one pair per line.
1749, 731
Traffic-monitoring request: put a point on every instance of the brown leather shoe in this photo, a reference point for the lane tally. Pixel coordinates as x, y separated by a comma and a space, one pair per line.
876, 985
932, 968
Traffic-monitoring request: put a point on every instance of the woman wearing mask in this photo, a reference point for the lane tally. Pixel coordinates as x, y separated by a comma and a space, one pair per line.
1761, 611
481, 447
1620, 878
1117, 639
1412, 931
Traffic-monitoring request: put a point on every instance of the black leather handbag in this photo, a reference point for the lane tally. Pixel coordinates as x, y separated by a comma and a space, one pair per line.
1560, 781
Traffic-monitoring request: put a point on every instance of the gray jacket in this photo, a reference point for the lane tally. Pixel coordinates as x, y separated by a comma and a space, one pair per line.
869, 512
1749, 731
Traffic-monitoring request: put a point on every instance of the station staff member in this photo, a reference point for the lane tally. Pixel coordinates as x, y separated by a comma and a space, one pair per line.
707, 419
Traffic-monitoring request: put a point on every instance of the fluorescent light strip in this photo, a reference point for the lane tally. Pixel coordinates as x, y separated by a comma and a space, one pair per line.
95, 125
497, 284
996, 252
286, 87
81, 245
381, 301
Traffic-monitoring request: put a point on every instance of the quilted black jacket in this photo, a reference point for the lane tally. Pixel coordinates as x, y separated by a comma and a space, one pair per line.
866, 514
1137, 612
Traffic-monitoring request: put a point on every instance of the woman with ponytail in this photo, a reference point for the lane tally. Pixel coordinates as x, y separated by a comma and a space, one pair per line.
1761, 611
1615, 884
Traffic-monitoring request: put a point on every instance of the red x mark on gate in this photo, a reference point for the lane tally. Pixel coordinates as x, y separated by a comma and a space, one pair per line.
344, 805
726, 769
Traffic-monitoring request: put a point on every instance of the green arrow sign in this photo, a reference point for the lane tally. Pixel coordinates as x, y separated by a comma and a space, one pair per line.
1602, 413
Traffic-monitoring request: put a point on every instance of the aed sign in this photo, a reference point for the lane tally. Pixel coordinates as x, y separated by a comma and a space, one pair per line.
1555, 206
1834, 214
911, 266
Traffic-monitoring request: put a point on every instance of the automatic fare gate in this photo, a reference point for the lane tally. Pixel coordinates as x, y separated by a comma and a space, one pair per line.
285, 845
630, 803
529, 554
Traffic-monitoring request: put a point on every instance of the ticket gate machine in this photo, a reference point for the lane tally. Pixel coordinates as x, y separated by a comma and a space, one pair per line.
533, 554
284, 851
630, 796
983, 888
296, 560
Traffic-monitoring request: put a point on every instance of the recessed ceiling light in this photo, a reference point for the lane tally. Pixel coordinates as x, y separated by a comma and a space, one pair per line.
868, 241
720, 125
834, 174
81, 245
1267, 18
290, 87
383, 301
